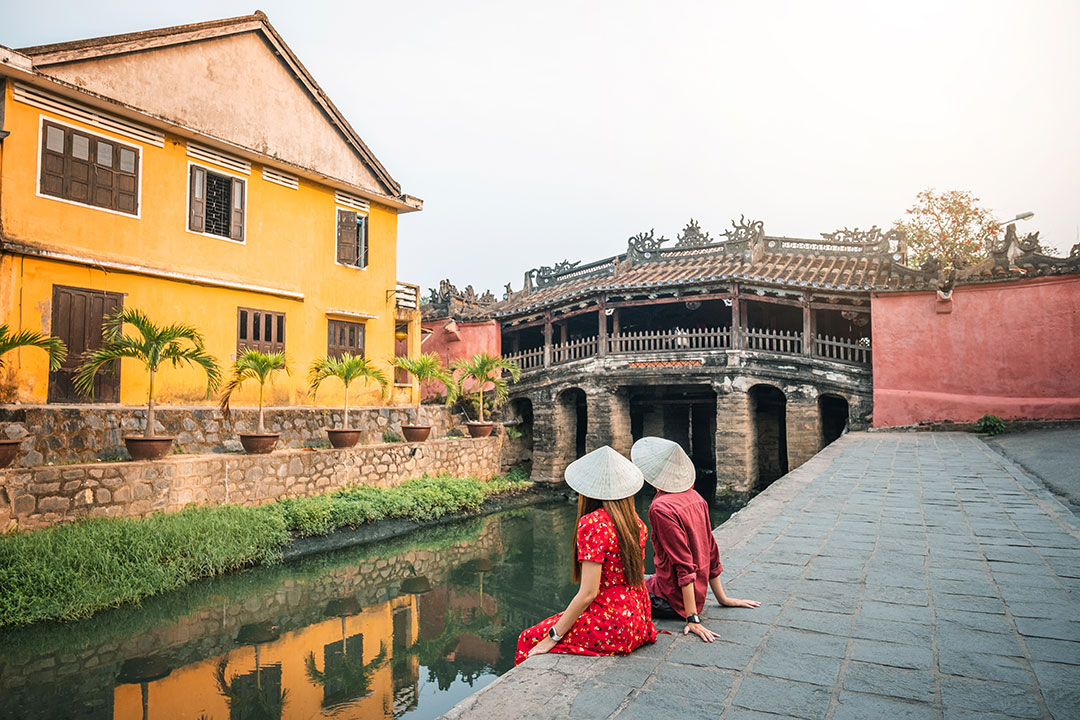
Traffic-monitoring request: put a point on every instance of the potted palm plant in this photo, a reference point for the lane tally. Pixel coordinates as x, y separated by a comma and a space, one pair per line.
258, 366
425, 367
26, 338
484, 369
346, 369
152, 345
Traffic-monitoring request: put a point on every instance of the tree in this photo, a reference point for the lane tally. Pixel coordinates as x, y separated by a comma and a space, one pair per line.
484, 369
346, 369
29, 338
253, 365
427, 367
949, 226
152, 346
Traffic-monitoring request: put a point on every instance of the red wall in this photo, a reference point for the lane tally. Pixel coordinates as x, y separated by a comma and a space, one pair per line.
1010, 348
470, 339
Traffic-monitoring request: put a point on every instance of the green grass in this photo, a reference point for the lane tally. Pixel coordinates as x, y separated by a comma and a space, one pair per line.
71, 571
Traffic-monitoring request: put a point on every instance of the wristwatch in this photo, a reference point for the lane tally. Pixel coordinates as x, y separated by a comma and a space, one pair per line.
693, 619
554, 635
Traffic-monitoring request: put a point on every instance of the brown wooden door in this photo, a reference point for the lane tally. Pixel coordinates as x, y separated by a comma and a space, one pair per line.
77, 317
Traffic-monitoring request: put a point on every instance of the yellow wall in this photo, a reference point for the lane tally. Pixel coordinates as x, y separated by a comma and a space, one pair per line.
289, 245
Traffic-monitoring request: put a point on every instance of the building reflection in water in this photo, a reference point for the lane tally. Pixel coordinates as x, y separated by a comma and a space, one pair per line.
385, 631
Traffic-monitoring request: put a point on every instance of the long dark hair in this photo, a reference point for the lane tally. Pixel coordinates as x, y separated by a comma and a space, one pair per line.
627, 531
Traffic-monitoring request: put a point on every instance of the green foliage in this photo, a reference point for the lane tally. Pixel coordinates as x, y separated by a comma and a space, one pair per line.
512, 432
29, 338
346, 369
257, 366
991, 425
484, 369
424, 498
949, 226
152, 346
71, 571
429, 366
389, 436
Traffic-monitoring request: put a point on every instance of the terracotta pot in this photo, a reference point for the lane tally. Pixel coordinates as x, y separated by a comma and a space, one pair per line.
255, 444
343, 438
144, 448
479, 429
8, 450
415, 433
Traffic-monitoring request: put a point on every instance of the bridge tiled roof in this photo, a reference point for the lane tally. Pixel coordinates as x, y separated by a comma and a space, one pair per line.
847, 261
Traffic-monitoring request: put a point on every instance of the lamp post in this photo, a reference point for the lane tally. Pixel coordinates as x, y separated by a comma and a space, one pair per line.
1019, 216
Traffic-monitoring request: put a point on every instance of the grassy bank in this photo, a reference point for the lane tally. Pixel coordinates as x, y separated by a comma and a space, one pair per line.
71, 571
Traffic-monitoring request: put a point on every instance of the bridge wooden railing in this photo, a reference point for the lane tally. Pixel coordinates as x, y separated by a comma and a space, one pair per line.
780, 341
835, 348
527, 359
676, 339
785, 342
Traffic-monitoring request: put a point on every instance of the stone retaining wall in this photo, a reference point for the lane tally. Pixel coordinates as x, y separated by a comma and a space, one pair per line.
83, 433
33, 498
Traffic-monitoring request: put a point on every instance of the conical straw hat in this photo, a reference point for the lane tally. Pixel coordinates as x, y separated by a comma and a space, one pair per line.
604, 474
664, 464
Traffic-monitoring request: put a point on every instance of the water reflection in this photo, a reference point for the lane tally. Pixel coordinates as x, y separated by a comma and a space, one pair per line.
402, 630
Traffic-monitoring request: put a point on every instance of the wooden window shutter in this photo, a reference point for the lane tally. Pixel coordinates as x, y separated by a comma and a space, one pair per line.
78, 166
236, 219
346, 237
105, 161
197, 200
362, 242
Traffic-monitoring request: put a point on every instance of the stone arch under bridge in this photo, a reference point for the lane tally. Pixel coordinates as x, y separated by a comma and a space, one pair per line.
743, 426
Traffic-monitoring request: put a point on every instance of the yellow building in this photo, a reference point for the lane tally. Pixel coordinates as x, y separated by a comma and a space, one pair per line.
200, 174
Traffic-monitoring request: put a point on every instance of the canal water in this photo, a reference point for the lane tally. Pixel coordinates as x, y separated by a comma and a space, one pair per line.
397, 629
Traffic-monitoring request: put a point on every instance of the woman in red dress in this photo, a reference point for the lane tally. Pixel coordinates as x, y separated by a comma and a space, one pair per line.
611, 613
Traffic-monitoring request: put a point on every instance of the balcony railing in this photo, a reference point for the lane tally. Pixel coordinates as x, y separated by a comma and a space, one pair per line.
783, 342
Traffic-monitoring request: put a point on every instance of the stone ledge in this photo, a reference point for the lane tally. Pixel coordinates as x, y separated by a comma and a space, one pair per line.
32, 498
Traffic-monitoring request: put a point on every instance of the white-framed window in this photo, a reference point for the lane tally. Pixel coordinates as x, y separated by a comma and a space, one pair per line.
87, 168
217, 203
352, 238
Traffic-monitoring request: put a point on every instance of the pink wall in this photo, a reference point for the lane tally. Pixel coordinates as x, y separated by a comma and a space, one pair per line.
470, 339
1010, 348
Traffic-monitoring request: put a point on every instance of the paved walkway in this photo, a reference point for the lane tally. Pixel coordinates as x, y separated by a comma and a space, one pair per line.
1052, 455
902, 575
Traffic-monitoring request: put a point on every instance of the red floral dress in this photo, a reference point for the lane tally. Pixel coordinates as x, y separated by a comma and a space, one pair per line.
619, 620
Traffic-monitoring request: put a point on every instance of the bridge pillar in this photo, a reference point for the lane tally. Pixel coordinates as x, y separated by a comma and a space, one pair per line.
803, 428
609, 419
546, 457
735, 439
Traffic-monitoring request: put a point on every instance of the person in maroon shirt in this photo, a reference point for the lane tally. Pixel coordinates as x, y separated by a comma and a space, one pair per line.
684, 549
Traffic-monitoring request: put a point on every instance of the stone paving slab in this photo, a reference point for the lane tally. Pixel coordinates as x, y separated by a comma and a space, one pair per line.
902, 575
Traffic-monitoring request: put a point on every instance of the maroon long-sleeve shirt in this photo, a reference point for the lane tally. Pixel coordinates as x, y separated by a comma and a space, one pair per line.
684, 549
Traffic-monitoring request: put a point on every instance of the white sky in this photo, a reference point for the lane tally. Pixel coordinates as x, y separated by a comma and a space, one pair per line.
538, 131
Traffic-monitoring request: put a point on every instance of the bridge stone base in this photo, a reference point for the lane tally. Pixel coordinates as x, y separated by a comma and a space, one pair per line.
768, 410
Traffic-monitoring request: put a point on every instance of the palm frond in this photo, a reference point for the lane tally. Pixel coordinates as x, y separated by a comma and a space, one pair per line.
151, 345
429, 366
346, 368
252, 365
30, 338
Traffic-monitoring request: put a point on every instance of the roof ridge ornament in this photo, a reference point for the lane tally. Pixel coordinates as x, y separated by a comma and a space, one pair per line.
745, 231
546, 274
644, 247
692, 236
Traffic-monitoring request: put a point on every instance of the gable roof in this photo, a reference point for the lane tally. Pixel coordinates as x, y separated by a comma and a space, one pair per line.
56, 60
